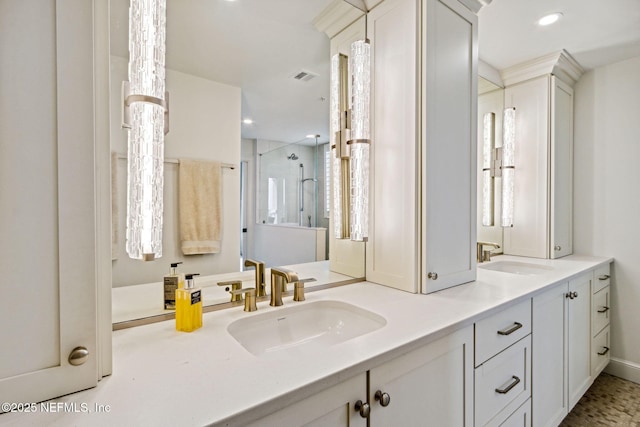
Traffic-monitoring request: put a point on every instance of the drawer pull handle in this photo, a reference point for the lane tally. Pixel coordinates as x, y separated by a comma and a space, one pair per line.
363, 409
604, 277
604, 309
383, 398
506, 390
511, 330
603, 352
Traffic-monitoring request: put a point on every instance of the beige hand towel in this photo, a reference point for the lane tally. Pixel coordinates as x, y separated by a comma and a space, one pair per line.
200, 206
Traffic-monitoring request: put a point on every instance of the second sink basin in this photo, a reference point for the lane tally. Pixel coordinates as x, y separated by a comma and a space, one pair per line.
515, 267
303, 328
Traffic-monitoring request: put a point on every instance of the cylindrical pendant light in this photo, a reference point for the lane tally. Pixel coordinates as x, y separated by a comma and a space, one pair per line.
146, 103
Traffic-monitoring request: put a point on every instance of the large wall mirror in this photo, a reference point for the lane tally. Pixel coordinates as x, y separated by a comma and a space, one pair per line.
249, 87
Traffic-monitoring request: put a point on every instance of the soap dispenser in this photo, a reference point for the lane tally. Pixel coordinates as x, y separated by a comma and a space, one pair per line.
188, 306
172, 282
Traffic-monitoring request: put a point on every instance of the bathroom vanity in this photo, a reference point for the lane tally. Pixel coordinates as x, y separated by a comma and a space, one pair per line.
421, 361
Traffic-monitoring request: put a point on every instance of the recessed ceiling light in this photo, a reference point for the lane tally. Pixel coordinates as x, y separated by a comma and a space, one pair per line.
247, 121
549, 19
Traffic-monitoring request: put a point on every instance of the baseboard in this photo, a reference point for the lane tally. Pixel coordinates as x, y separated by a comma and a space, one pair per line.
624, 369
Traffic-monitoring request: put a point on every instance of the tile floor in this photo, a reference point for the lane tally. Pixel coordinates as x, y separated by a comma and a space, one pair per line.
611, 401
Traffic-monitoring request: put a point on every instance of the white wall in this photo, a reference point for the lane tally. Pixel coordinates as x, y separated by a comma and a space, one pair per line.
607, 195
204, 124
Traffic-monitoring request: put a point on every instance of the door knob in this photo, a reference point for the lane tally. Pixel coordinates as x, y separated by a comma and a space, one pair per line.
363, 408
383, 398
78, 356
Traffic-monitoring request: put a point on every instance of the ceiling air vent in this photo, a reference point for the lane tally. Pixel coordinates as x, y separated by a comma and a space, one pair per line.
304, 76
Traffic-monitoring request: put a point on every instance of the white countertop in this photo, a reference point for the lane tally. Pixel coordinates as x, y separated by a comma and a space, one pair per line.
163, 377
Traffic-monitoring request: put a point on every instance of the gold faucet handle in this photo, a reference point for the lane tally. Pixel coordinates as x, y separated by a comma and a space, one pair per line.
298, 288
249, 298
230, 286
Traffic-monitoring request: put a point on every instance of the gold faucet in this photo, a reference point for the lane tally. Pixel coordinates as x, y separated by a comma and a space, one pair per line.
485, 254
249, 298
279, 279
230, 286
259, 266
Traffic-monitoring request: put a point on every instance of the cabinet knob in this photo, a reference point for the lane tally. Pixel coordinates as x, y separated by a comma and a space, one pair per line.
557, 248
571, 295
433, 276
363, 408
78, 356
383, 398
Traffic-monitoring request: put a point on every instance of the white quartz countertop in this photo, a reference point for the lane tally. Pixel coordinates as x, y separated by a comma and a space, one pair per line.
163, 377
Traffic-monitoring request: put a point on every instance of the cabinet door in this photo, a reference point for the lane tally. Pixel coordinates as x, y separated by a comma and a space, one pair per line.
432, 385
561, 240
448, 148
549, 387
391, 250
331, 407
529, 234
579, 337
47, 194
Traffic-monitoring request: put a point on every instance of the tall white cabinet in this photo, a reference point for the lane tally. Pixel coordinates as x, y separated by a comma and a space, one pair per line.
48, 195
422, 223
542, 96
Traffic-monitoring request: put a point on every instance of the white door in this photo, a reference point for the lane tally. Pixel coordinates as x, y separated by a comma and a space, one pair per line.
561, 239
549, 387
430, 386
47, 207
449, 145
579, 337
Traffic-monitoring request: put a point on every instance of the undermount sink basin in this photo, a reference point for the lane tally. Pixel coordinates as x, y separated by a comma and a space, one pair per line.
515, 267
304, 328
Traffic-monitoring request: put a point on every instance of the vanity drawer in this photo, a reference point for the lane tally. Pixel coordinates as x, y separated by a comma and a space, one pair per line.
497, 332
503, 383
520, 418
600, 310
601, 277
600, 353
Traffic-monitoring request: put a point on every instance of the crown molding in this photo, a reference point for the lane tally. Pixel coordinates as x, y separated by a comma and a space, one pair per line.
561, 64
336, 17
474, 5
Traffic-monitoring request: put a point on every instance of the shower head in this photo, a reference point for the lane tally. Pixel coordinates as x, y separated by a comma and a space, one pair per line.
292, 156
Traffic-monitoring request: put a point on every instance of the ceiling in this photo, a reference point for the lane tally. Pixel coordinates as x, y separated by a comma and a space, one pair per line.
594, 32
259, 45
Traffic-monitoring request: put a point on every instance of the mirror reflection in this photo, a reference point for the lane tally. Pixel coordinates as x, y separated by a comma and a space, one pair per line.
490, 101
249, 87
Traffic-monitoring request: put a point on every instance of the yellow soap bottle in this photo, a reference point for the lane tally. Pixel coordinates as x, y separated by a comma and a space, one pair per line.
172, 281
188, 306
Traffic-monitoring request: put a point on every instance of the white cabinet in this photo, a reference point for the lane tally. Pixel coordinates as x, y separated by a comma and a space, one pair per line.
600, 315
48, 192
542, 225
561, 349
503, 366
331, 407
432, 385
422, 196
